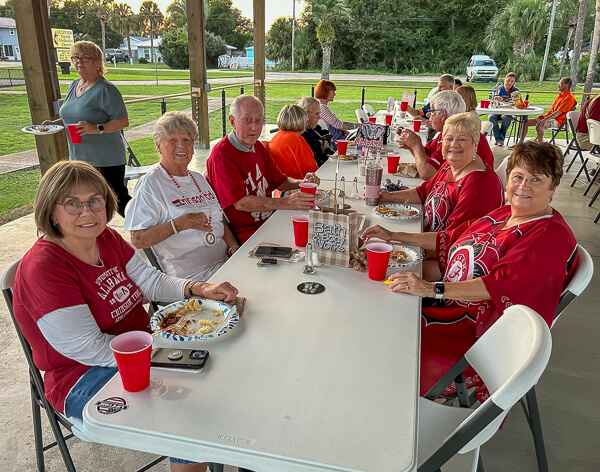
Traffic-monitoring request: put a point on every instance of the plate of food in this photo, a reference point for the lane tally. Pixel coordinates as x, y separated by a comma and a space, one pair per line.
203, 319
397, 211
319, 196
348, 158
41, 130
403, 256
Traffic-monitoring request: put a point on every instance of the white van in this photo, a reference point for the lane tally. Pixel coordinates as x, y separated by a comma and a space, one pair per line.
482, 68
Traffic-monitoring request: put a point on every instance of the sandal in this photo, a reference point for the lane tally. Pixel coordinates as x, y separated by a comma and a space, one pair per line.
500, 143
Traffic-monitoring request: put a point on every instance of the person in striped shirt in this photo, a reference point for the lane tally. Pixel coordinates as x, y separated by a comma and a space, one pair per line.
325, 93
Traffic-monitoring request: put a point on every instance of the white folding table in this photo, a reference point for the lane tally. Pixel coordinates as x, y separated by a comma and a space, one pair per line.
304, 383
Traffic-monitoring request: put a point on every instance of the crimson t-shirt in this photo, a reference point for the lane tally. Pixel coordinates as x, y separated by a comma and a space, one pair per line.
449, 204
234, 174
434, 150
49, 278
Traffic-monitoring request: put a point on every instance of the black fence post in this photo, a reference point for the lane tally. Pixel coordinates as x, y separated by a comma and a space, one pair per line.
312, 91
363, 97
414, 105
163, 107
242, 90
223, 112
9, 77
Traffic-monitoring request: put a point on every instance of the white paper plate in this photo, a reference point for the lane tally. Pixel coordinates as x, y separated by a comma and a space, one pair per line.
413, 258
344, 161
37, 129
207, 307
398, 207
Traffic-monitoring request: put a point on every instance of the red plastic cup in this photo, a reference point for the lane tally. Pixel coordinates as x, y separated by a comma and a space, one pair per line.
388, 118
378, 257
417, 125
309, 187
372, 119
526, 103
132, 351
403, 106
73, 134
300, 223
342, 146
392, 163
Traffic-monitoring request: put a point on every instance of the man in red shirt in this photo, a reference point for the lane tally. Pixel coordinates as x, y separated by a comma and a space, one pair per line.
428, 158
244, 176
557, 114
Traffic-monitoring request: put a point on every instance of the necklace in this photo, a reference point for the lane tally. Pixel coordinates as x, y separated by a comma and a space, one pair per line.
209, 237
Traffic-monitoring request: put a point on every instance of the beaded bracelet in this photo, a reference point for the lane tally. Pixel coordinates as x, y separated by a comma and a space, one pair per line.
173, 226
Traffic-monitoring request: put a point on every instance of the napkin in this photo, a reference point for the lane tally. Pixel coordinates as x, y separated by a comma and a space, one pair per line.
240, 304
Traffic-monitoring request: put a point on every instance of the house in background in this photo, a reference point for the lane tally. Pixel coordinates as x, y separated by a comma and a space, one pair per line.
143, 49
135, 41
9, 41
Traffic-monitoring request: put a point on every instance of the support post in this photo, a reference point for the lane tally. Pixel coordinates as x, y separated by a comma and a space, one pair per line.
224, 112
362, 99
259, 49
41, 79
198, 82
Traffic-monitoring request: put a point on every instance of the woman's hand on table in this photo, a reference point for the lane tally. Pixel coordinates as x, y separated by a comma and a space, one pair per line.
377, 232
408, 282
222, 291
312, 178
387, 197
197, 221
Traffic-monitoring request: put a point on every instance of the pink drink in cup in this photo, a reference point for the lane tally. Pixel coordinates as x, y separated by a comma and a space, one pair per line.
372, 119
388, 118
403, 106
73, 134
392, 163
132, 351
342, 146
378, 257
300, 223
417, 125
308, 187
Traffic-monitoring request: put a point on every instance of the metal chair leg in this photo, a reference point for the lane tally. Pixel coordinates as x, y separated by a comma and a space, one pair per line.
596, 193
597, 217
591, 184
36, 416
479, 463
532, 414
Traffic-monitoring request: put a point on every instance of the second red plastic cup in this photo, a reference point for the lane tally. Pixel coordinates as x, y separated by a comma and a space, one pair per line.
73, 134
417, 125
300, 223
309, 187
378, 257
342, 146
372, 119
132, 352
403, 106
392, 163
388, 118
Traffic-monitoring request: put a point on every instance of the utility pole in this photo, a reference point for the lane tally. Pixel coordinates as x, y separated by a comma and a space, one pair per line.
293, 30
542, 73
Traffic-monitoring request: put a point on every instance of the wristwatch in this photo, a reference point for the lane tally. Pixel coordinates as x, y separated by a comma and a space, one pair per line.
100, 129
439, 289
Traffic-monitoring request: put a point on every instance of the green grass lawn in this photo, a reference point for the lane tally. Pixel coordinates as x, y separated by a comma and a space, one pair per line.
149, 74
17, 189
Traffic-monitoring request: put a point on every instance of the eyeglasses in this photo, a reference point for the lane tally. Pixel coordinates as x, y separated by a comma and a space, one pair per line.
430, 112
75, 207
84, 59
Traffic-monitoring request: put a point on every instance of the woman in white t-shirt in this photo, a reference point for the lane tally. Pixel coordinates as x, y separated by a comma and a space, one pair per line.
175, 211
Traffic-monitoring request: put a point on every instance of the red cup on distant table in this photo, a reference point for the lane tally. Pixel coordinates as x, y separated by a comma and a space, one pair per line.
485, 103
300, 223
388, 118
417, 125
372, 119
392, 163
342, 146
73, 134
132, 352
526, 103
403, 106
378, 257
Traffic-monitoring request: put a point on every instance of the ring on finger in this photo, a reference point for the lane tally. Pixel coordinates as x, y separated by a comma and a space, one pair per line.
406, 288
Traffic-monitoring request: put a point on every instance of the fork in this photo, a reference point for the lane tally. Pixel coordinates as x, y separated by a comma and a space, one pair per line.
176, 327
404, 205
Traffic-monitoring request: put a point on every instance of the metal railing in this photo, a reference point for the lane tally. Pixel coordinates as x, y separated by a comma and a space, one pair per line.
11, 77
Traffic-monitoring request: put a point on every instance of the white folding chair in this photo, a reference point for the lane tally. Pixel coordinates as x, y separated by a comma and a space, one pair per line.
368, 110
133, 168
593, 155
564, 128
501, 171
510, 357
361, 116
573, 121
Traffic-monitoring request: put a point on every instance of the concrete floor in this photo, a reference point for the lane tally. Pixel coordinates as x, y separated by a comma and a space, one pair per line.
567, 392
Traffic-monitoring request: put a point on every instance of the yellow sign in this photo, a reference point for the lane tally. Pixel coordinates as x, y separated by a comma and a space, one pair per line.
64, 55
62, 38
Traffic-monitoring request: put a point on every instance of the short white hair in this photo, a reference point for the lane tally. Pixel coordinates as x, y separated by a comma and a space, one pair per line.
306, 102
235, 109
450, 101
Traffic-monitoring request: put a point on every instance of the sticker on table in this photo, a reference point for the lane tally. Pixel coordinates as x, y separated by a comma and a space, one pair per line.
111, 405
311, 288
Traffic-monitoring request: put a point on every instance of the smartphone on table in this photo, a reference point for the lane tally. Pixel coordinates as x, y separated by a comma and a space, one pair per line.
192, 359
280, 252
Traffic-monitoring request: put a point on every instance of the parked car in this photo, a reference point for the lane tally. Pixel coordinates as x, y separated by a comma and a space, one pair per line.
482, 68
118, 54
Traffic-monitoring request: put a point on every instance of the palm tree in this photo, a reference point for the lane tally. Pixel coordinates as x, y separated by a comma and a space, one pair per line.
578, 41
589, 79
151, 17
104, 8
323, 12
121, 18
177, 13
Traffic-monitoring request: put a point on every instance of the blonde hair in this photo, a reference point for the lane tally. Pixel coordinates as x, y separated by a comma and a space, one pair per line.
90, 49
58, 182
292, 118
466, 123
468, 94
174, 122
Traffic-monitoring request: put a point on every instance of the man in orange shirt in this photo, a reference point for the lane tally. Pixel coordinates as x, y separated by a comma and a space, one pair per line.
557, 114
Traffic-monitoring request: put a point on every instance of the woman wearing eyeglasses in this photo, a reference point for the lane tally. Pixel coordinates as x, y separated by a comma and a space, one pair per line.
97, 108
464, 187
81, 284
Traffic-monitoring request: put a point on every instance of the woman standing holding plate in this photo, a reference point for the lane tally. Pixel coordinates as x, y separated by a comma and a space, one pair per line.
96, 107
